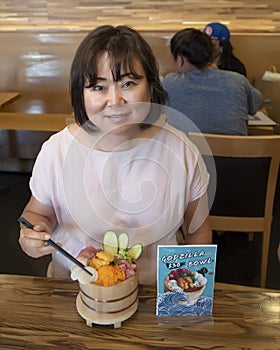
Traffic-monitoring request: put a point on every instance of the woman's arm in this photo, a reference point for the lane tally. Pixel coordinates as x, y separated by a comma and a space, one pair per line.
197, 227
44, 220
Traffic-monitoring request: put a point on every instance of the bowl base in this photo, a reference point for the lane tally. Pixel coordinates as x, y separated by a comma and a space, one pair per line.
98, 318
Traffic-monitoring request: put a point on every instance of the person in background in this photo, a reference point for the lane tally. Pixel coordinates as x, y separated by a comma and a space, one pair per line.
216, 101
120, 166
223, 55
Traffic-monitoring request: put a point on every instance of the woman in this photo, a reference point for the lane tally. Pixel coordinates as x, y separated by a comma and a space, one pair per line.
120, 166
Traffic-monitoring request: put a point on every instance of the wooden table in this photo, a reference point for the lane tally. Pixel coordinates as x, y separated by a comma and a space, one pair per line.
8, 97
40, 313
261, 124
30, 121
36, 122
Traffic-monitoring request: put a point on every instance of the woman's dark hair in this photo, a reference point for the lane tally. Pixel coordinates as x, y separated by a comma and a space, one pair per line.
194, 45
226, 54
123, 45
228, 61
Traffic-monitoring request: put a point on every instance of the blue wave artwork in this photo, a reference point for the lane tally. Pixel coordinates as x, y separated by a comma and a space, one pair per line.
177, 304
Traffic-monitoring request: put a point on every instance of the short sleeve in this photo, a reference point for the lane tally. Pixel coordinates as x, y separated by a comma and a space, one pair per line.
41, 175
198, 174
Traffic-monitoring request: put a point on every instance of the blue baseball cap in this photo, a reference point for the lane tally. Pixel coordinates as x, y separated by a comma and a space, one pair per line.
217, 31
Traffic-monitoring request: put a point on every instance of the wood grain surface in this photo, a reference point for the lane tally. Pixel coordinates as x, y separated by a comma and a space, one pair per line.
40, 313
8, 97
241, 16
29, 121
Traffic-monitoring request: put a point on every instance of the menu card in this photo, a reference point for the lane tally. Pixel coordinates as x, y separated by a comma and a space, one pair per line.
185, 280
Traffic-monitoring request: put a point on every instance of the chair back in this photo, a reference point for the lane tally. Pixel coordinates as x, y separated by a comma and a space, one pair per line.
246, 171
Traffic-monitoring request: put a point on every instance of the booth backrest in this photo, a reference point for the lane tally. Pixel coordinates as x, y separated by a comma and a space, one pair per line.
37, 64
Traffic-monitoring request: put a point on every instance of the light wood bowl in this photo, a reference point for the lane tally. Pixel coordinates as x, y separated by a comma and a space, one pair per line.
108, 305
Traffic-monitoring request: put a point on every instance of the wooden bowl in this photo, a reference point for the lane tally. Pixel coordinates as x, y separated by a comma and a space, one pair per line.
108, 305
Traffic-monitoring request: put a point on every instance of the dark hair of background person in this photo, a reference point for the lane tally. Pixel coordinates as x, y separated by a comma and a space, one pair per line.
124, 45
225, 58
194, 45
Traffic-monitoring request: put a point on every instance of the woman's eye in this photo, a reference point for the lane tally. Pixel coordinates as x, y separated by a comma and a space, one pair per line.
128, 84
97, 88
93, 87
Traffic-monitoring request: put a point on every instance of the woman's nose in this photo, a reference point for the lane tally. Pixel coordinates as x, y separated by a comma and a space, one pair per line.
115, 96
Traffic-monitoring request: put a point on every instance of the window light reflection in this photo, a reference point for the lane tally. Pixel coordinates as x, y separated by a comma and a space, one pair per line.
41, 65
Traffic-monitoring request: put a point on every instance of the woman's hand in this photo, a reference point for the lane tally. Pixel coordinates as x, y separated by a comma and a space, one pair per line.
33, 242
44, 220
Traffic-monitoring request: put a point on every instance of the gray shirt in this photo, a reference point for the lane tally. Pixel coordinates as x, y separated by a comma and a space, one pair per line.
216, 101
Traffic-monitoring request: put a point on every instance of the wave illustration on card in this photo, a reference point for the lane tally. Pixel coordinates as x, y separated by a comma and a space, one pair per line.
185, 280
177, 304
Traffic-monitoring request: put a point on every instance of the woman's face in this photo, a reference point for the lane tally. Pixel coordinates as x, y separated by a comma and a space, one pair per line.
109, 104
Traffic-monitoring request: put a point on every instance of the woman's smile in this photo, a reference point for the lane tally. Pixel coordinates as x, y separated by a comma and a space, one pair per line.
117, 116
